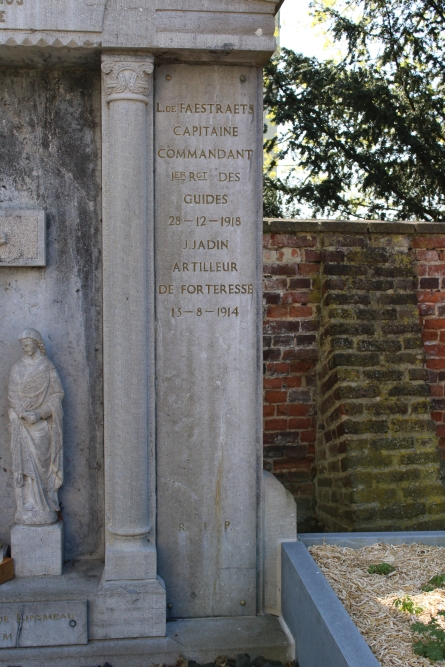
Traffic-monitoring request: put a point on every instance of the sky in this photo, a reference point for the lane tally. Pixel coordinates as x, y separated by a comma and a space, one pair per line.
297, 32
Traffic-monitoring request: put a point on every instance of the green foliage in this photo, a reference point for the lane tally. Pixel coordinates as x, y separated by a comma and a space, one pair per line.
432, 643
381, 568
438, 581
407, 604
367, 133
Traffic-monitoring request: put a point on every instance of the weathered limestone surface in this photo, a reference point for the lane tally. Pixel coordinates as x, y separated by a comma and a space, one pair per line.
22, 238
49, 161
279, 525
37, 550
207, 147
43, 624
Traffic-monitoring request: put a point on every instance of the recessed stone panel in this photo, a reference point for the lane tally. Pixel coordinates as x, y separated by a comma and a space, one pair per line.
22, 238
207, 261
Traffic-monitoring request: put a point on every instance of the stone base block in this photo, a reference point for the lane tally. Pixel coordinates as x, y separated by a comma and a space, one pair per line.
279, 525
200, 639
128, 559
126, 609
37, 550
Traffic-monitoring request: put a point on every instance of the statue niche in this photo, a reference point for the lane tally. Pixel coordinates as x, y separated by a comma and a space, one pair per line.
35, 395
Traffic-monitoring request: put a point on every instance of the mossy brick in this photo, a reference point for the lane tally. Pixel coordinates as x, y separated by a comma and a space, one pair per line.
364, 512
409, 390
376, 314
370, 285
411, 424
349, 329
418, 458
364, 391
365, 459
397, 299
368, 256
414, 343
387, 408
420, 491
437, 507
397, 476
362, 360
421, 407
341, 313
402, 510
393, 328
378, 494
345, 298
375, 345
341, 343
362, 427
334, 466
351, 409
394, 271
401, 358
380, 444
345, 270
384, 375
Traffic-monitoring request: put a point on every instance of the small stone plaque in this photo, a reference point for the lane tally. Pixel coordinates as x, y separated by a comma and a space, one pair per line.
22, 238
43, 623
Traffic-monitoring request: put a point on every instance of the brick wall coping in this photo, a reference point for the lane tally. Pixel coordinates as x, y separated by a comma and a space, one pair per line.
289, 226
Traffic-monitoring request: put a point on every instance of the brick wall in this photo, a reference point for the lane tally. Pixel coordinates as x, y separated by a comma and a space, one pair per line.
347, 408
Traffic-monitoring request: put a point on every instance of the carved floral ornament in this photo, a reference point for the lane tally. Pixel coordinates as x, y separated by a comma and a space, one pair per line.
127, 80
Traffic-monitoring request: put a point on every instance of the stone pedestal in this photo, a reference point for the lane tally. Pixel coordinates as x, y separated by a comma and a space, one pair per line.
37, 550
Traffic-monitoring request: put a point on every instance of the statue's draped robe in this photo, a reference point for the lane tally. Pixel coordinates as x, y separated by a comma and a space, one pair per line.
36, 448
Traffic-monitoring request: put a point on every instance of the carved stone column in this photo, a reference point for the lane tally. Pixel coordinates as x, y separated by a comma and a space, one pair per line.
128, 247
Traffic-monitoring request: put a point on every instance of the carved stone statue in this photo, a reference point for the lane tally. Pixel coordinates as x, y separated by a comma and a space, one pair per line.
35, 395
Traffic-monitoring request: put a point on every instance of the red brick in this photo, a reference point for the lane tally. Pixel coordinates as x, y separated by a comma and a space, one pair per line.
442, 336
430, 297
430, 335
277, 312
438, 323
300, 311
421, 269
312, 256
275, 424
308, 436
268, 410
296, 297
435, 363
429, 242
436, 390
436, 269
427, 308
333, 256
299, 423
278, 369
272, 383
275, 396
308, 269
286, 464
435, 350
301, 366
440, 430
281, 269
437, 416
427, 255
293, 241
271, 284
293, 409
292, 381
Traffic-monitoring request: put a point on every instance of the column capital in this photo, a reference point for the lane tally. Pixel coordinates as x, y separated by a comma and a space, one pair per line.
127, 77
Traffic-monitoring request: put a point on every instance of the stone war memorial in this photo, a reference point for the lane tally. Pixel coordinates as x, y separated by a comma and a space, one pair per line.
133, 504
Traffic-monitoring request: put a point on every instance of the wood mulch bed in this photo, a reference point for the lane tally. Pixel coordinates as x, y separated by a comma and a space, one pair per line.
368, 598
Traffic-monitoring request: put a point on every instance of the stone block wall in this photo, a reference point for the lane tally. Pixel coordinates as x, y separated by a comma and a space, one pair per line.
353, 398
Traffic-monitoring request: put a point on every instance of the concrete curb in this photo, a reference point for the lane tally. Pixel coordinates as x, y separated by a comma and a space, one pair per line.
323, 630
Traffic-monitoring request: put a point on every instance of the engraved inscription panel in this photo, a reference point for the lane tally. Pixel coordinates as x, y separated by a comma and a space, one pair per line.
82, 15
207, 152
43, 623
22, 238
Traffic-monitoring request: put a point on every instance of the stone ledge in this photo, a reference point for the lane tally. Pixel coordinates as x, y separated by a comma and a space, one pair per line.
285, 226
